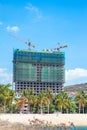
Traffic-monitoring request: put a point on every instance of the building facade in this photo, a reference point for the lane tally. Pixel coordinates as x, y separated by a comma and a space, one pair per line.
38, 70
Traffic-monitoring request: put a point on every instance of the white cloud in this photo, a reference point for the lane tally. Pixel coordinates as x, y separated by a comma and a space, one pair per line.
5, 77
75, 74
12, 29
34, 10
71, 75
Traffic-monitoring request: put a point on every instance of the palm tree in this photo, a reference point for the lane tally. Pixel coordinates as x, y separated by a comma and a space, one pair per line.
81, 100
28, 95
42, 100
62, 101
70, 104
21, 103
35, 102
49, 97
6, 95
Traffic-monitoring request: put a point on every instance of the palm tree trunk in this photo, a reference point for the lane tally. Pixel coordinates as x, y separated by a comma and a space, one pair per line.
83, 110
4, 106
67, 110
61, 110
48, 105
48, 108
79, 108
41, 109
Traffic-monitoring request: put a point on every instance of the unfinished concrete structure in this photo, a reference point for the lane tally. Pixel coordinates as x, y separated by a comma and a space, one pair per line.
38, 70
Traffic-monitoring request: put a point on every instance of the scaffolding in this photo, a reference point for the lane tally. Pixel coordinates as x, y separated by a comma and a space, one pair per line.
38, 70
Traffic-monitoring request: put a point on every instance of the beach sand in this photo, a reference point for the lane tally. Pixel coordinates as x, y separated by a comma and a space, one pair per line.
55, 119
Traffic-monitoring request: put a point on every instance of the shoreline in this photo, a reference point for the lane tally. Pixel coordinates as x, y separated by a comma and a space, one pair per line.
54, 119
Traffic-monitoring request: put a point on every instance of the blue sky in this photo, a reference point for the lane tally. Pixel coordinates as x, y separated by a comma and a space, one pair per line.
45, 23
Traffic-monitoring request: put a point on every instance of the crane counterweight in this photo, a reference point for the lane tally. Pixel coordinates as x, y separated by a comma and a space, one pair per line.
60, 47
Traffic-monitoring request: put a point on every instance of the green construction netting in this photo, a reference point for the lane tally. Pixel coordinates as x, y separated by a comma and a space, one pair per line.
25, 66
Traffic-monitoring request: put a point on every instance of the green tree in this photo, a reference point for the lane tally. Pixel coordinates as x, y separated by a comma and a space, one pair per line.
35, 103
28, 95
72, 106
81, 100
63, 101
6, 96
49, 97
42, 101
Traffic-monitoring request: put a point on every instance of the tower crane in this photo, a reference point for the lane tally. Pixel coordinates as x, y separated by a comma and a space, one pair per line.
60, 47
26, 42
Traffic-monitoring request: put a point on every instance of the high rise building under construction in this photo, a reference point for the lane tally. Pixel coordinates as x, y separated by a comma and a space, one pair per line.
38, 70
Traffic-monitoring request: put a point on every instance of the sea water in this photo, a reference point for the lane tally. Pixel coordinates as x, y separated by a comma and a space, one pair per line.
62, 128
82, 128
